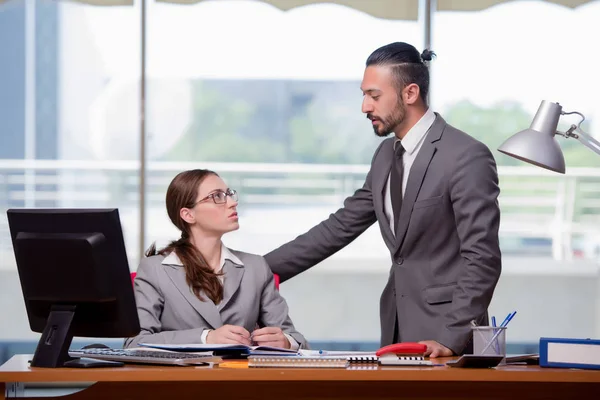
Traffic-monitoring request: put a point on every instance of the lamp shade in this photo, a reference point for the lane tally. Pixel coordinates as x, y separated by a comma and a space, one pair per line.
537, 145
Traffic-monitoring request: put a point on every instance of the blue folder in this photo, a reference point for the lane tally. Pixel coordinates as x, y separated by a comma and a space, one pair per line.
558, 359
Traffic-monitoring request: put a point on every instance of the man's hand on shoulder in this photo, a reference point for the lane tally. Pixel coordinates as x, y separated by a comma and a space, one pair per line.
434, 349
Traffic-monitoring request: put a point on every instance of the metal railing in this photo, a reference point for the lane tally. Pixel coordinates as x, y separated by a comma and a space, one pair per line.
537, 206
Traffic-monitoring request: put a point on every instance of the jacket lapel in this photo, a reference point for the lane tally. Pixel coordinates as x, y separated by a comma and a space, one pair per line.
416, 176
379, 185
233, 278
206, 308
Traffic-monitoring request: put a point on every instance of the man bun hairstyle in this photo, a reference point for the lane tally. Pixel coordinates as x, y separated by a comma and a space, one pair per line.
408, 66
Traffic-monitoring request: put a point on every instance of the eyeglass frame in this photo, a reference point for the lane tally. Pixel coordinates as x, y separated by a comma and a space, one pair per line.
228, 193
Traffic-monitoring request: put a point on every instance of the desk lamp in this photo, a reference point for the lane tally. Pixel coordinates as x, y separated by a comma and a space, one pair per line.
538, 146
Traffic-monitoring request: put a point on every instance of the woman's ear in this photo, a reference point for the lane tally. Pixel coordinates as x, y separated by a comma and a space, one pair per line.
187, 215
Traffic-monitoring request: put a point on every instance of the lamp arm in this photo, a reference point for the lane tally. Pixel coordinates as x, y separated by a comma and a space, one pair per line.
585, 139
575, 112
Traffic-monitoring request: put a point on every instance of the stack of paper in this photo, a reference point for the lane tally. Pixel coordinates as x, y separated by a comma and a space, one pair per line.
225, 350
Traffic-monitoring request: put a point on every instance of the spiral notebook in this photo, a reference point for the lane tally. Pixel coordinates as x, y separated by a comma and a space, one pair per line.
408, 361
311, 361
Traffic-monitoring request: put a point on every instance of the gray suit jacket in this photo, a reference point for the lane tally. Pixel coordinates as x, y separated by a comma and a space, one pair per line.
169, 312
445, 254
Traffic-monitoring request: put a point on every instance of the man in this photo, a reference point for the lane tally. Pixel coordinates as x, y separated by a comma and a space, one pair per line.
433, 189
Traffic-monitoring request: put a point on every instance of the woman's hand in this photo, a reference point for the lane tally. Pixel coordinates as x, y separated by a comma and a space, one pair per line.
270, 336
229, 334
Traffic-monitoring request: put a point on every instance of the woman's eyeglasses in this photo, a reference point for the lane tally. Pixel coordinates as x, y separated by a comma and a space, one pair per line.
219, 197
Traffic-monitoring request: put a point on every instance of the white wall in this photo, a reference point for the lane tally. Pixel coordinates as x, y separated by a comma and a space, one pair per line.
328, 304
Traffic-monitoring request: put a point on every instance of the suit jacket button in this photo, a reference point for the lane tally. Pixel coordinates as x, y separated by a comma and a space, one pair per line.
399, 260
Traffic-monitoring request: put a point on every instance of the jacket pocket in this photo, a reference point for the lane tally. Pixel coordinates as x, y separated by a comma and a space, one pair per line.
440, 294
432, 201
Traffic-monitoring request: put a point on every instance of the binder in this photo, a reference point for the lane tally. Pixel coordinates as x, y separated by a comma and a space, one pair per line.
569, 353
351, 362
407, 361
297, 362
312, 361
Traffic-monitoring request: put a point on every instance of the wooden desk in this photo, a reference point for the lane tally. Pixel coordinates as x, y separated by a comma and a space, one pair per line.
237, 381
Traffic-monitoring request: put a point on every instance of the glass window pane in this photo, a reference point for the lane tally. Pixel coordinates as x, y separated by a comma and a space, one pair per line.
493, 69
271, 101
68, 122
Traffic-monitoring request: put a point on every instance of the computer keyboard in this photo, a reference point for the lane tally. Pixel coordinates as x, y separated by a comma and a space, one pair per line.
147, 356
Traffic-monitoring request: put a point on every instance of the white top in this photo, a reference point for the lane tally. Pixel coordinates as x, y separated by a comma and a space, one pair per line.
412, 143
226, 254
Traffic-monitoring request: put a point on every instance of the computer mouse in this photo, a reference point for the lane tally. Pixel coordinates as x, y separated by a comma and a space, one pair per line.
96, 346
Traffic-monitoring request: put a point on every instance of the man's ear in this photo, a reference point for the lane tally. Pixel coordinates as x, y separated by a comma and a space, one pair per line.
187, 215
411, 93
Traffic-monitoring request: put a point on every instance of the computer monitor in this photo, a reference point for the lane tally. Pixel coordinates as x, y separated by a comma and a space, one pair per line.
75, 279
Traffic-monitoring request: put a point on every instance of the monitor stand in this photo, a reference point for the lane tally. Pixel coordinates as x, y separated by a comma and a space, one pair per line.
53, 348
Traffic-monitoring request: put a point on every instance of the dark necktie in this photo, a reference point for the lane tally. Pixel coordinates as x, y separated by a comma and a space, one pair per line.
396, 183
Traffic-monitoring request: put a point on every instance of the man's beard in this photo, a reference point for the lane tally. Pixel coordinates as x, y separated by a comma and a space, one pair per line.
389, 123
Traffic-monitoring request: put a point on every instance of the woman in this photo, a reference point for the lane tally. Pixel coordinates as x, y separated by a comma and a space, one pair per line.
196, 290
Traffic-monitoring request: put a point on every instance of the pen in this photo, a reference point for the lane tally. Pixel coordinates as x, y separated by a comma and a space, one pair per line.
502, 325
494, 325
508, 318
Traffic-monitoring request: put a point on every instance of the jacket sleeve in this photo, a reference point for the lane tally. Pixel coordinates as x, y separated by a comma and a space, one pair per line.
474, 194
329, 236
274, 309
150, 302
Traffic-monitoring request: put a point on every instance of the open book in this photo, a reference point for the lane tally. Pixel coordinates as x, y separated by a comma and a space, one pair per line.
224, 349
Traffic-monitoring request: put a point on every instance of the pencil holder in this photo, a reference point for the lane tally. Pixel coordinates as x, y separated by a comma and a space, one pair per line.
489, 340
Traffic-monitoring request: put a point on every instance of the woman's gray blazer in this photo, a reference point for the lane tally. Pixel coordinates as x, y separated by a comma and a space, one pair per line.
170, 313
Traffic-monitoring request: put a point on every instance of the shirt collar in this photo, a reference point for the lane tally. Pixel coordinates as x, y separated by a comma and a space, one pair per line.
417, 133
226, 254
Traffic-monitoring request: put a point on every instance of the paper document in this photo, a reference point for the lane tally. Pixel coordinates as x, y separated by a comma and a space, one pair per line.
221, 348
147, 348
